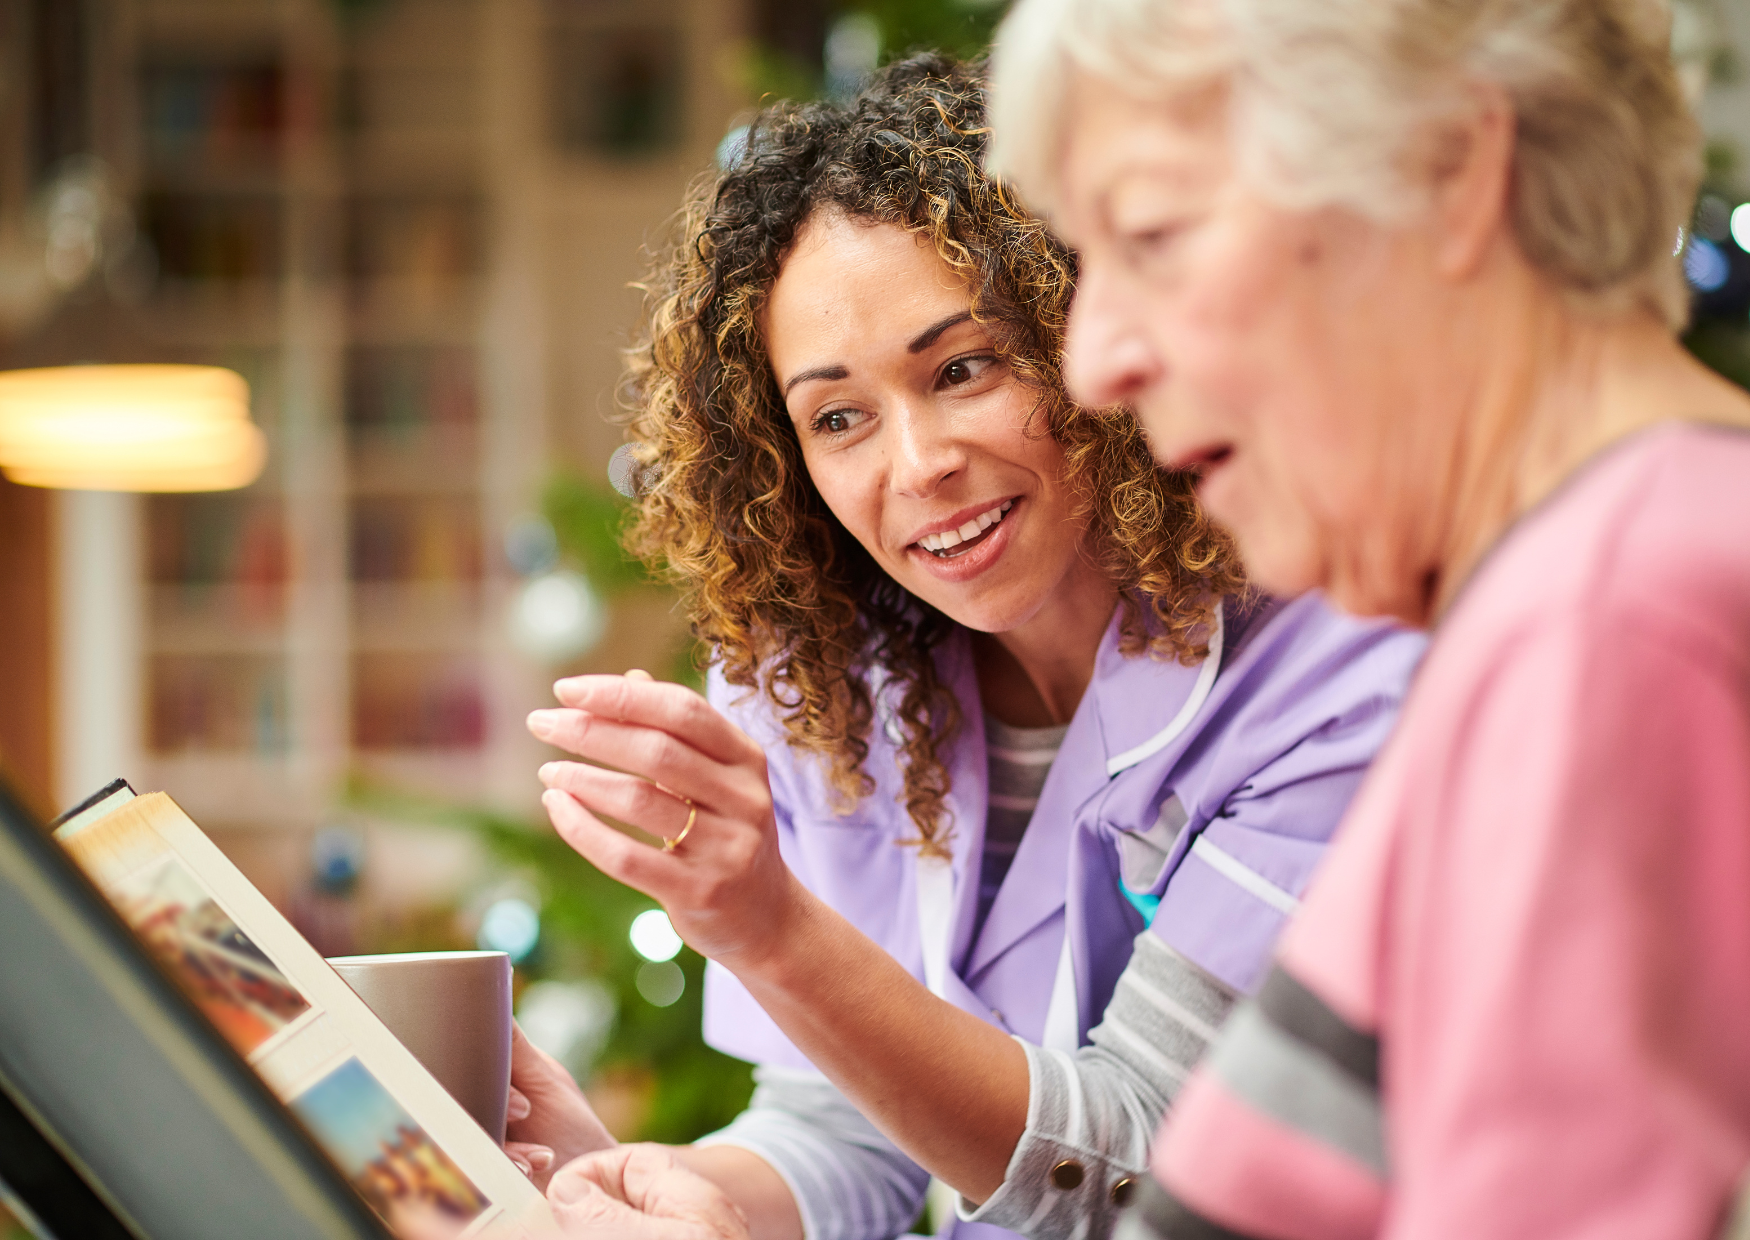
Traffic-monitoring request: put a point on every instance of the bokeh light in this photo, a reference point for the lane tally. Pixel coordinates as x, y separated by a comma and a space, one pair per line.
661, 982
653, 936
570, 1020
511, 926
557, 617
1706, 268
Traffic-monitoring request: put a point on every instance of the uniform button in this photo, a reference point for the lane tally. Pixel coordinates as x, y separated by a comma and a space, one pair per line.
1067, 1175
1123, 1191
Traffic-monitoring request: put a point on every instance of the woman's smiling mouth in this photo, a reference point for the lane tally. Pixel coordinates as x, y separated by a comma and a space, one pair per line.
952, 543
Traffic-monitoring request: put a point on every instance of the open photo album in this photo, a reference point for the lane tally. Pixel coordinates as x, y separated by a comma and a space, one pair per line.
405, 1146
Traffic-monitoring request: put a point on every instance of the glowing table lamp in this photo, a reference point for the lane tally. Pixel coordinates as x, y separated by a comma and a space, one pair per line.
129, 428
96, 433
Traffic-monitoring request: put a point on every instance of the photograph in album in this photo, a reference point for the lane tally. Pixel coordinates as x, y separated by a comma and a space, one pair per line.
389, 1158
227, 975
182, 923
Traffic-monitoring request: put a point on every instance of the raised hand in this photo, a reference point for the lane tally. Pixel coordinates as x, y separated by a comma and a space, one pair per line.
678, 760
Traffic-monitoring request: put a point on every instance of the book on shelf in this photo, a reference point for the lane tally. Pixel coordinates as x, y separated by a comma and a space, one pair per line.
405, 1145
410, 387
213, 115
215, 237
418, 700
226, 702
415, 538
429, 243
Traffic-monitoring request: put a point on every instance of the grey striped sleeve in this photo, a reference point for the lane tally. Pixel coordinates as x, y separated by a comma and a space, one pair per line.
1098, 1109
849, 1181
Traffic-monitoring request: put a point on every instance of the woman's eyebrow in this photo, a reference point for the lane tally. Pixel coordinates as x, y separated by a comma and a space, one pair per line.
819, 372
919, 343
933, 333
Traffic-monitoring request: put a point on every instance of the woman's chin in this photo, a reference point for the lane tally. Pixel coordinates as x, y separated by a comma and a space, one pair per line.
988, 615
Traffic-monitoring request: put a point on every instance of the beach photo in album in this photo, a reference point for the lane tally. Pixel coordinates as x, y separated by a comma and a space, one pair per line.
388, 1157
228, 976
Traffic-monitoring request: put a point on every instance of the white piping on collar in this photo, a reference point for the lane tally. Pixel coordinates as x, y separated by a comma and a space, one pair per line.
1199, 694
1243, 876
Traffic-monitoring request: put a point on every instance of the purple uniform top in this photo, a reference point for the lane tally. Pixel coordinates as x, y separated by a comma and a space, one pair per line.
1222, 824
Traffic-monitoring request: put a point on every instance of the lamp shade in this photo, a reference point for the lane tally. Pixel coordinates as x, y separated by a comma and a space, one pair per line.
129, 428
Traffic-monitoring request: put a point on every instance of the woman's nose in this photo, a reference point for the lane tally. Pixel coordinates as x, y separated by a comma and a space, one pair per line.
928, 452
1108, 358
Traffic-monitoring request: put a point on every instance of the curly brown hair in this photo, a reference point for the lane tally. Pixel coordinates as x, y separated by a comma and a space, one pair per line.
790, 604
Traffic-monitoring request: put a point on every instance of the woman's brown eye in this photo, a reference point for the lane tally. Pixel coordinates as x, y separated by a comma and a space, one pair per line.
957, 372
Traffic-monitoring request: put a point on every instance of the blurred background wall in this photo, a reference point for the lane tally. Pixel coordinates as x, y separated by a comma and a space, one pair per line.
412, 225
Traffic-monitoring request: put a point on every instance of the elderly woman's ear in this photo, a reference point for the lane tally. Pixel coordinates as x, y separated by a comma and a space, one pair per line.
1471, 182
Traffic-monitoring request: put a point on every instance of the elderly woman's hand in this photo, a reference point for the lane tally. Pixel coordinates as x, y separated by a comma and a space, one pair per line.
549, 1121
641, 1192
681, 768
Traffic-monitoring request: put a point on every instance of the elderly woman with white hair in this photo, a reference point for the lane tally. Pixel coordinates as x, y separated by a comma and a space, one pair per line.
1397, 277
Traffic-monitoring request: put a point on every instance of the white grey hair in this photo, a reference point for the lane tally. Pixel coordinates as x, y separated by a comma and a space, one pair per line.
1336, 102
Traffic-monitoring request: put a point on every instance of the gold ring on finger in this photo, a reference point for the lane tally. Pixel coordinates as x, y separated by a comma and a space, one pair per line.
669, 845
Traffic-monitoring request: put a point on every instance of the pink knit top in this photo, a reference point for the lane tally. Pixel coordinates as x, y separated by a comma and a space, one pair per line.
1516, 1004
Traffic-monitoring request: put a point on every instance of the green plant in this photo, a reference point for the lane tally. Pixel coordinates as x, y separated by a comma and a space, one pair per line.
587, 517
1723, 346
961, 28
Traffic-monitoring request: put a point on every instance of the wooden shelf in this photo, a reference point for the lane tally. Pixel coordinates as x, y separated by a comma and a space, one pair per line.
216, 619
418, 617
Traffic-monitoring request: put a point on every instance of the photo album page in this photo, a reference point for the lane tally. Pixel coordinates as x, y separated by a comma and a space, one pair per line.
409, 1148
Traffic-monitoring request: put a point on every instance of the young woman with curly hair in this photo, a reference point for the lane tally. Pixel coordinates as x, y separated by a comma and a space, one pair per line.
991, 720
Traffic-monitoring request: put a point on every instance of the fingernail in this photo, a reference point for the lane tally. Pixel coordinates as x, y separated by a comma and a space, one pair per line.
568, 1190
543, 722
521, 1164
546, 771
517, 1108
540, 1160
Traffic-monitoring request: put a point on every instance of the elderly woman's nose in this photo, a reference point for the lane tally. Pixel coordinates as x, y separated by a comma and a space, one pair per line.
1107, 356
928, 452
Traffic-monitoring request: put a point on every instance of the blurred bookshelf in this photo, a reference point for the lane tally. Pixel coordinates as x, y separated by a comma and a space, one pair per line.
412, 225
360, 206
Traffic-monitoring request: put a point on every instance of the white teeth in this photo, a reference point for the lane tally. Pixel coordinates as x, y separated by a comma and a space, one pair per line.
939, 543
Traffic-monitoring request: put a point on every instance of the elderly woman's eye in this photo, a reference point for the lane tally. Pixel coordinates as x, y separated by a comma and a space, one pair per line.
1140, 244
